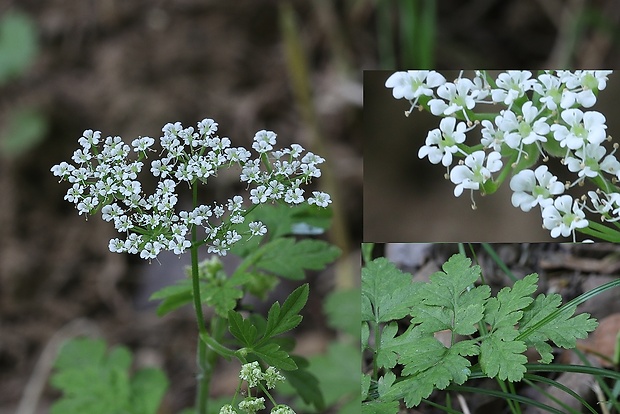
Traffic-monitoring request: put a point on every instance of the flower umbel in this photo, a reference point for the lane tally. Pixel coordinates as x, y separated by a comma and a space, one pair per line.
104, 178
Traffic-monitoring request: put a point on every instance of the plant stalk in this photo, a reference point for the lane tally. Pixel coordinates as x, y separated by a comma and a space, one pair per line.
204, 368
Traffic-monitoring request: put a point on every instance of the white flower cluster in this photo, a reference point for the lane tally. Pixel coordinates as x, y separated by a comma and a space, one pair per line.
104, 177
543, 115
253, 374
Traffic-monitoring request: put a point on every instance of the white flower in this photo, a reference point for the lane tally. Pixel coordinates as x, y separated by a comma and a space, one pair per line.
549, 88
528, 129
142, 143
89, 139
117, 246
207, 126
282, 409
312, 158
582, 83
259, 195
442, 143
512, 85
257, 228
227, 409
491, 137
264, 141
63, 169
252, 373
580, 128
252, 404
458, 96
272, 376
533, 188
320, 198
474, 172
179, 244
563, 217
414, 83
587, 162
294, 196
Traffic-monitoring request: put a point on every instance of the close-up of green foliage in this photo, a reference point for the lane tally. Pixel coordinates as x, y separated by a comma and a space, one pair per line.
484, 335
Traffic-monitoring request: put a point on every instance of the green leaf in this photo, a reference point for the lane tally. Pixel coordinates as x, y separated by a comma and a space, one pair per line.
148, 387
387, 293
18, 44
380, 407
365, 385
242, 329
503, 358
26, 127
365, 335
563, 330
342, 308
506, 309
392, 347
289, 258
500, 354
280, 320
450, 300
273, 355
218, 291
97, 383
223, 294
306, 384
450, 367
174, 296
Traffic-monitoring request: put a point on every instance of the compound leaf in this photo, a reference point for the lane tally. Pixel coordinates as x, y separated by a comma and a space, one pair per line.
289, 258
387, 293
242, 329
503, 358
97, 383
280, 320
148, 387
564, 329
273, 355
506, 308
450, 301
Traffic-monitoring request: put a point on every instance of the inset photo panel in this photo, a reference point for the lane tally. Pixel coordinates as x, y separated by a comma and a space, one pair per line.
494, 156
490, 328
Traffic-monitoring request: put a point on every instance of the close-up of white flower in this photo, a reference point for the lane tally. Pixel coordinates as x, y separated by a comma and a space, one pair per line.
442, 142
532, 188
581, 128
512, 85
458, 97
563, 217
414, 83
474, 172
491, 137
524, 130
586, 162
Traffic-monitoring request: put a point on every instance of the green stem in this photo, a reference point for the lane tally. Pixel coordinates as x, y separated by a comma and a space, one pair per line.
204, 368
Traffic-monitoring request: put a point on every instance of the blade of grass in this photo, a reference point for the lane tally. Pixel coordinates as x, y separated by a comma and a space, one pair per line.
565, 368
600, 381
505, 396
530, 378
491, 252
